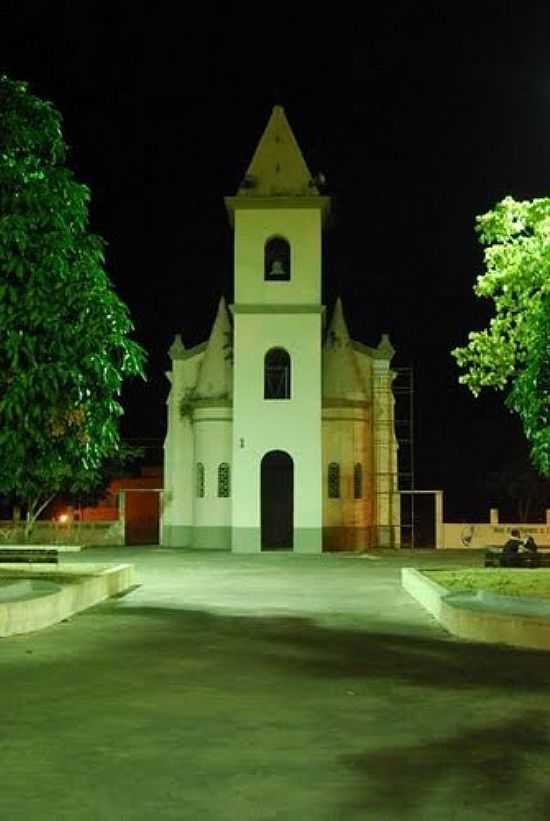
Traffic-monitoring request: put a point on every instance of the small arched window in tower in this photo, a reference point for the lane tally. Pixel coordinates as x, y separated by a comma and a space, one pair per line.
277, 260
224, 481
277, 374
200, 480
358, 481
334, 480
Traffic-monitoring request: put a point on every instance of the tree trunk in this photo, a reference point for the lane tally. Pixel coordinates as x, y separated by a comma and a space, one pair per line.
29, 524
34, 510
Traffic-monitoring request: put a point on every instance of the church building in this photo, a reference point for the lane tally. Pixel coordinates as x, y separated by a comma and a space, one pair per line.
281, 429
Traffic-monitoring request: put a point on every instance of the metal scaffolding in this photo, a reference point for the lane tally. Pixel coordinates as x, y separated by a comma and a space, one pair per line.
403, 391
401, 480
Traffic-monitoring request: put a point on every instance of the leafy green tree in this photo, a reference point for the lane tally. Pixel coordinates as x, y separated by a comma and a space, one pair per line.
514, 351
65, 346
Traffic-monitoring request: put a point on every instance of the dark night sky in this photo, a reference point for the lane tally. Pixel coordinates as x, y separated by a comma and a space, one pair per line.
421, 117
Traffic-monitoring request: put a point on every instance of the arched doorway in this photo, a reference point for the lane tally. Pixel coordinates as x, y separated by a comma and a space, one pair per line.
277, 501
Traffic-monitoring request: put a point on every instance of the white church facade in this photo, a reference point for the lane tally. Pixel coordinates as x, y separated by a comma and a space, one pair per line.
280, 427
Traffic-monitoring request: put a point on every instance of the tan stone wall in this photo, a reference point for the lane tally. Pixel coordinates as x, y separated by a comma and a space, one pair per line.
479, 535
348, 523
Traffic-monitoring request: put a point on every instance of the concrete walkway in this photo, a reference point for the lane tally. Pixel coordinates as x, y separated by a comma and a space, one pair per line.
270, 688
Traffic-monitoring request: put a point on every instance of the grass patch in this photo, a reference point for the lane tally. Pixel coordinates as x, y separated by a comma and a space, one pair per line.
507, 581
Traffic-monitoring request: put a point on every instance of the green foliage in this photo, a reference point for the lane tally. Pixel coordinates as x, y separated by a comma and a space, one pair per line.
64, 347
514, 351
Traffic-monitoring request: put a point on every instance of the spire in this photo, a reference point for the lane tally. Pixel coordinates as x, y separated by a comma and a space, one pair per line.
341, 375
177, 348
385, 349
278, 167
215, 379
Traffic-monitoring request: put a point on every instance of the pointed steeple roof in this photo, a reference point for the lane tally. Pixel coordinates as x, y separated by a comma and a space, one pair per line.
385, 349
278, 167
177, 348
341, 374
215, 379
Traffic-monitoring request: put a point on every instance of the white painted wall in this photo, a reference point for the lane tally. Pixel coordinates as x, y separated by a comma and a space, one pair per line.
302, 229
177, 506
292, 425
212, 428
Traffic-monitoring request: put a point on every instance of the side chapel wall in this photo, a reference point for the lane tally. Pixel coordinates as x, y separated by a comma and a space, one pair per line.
177, 513
347, 441
212, 432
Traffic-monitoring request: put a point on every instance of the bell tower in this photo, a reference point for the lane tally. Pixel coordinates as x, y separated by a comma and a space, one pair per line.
277, 215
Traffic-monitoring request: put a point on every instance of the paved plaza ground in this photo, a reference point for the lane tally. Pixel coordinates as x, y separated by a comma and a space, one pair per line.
270, 688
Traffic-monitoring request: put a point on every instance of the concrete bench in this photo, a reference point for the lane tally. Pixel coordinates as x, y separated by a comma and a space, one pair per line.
39, 555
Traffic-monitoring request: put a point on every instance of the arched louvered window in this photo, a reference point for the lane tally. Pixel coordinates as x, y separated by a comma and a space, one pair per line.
277, 260
334, 480
358, 481
277, 374
200, 480
224, 481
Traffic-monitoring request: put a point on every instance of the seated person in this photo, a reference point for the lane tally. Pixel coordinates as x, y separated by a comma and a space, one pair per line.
510, 553
530, 545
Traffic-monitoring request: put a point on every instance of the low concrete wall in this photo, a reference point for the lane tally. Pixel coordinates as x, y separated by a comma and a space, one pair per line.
44, 607
483, 616
61, 548
52, 533
424, 590
19, 590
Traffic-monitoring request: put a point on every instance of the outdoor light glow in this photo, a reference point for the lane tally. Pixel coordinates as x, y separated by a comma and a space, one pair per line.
63, 517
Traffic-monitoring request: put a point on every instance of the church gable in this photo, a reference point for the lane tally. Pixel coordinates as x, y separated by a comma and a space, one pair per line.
185, 366
342, 376
215, 378
204, 372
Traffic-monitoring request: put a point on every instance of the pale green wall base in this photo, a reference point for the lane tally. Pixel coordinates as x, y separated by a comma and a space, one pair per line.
308, 540
249, 540
246, 540
176, 535
203, 538
211, 538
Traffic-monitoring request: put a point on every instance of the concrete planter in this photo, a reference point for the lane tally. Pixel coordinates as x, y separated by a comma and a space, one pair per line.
39, 603
483, 616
